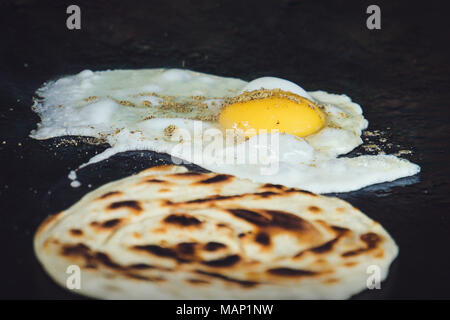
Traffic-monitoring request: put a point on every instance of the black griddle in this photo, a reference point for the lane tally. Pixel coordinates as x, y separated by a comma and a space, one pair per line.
399, 74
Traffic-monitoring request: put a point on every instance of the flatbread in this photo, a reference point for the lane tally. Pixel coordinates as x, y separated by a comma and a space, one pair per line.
168, 233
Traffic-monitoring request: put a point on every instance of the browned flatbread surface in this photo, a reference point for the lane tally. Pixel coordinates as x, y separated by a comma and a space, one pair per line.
167, 233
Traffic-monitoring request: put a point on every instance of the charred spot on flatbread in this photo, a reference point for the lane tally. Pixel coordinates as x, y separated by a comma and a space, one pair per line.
214, 246
126, 204
184, 220
110, 194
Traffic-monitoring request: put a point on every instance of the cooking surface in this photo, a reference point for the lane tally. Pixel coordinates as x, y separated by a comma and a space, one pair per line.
398, 74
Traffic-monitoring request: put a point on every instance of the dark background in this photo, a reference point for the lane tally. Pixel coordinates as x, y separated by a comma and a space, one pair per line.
399, 74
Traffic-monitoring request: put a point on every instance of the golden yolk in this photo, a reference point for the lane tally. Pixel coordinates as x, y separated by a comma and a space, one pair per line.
286, 112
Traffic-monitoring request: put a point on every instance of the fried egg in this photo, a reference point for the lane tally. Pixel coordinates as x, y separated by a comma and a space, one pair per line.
268, 130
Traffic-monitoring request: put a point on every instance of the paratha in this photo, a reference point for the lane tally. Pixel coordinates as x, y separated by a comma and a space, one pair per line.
170, 233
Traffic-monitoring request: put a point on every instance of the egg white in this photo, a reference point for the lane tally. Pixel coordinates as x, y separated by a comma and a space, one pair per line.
132, 110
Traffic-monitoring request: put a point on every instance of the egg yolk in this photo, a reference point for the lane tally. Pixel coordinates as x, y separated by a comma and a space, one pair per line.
272, 109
